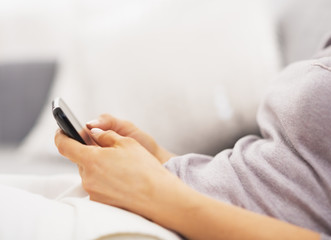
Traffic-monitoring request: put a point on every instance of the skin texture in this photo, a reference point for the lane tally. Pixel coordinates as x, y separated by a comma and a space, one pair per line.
126, 171
128, 129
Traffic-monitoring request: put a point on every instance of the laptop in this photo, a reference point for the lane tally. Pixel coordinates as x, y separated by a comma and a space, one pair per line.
24, 88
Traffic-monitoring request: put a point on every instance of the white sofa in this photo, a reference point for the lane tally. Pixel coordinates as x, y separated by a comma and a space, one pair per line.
191, 73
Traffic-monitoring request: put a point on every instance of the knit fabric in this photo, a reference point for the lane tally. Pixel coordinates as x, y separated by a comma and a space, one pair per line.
286, 173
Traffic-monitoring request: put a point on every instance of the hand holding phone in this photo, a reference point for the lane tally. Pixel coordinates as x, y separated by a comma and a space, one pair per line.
69, 123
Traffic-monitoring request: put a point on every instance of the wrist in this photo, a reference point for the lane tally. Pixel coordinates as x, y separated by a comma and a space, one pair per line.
162, 154
173, 203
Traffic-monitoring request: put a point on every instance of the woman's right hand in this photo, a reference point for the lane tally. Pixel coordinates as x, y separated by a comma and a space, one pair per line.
128, 129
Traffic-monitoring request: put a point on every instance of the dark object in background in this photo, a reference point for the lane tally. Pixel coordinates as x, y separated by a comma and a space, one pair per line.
24, 87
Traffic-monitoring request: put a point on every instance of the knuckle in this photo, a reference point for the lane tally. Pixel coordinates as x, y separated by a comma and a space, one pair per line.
105, 116
103, 137
129, 124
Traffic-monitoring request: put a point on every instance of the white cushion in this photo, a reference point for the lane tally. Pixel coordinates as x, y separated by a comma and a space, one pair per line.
56, 207
190, 73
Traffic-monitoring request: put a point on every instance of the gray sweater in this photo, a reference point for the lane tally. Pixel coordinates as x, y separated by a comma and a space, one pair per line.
286, 173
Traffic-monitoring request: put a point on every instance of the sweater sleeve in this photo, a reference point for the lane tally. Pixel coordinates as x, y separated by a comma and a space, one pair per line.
285, 173
325, 237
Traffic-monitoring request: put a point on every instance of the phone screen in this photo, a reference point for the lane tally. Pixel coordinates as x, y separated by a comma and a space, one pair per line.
69, 123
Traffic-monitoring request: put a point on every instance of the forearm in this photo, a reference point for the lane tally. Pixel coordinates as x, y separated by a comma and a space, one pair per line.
198, 217
151, 145
123, 173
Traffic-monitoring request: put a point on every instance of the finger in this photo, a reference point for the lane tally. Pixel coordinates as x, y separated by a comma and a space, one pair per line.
69, 147
104, 121
108, 122
105, 138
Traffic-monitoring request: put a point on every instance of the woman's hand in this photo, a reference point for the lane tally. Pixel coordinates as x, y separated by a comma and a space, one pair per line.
122, 173
118, 172
128, 129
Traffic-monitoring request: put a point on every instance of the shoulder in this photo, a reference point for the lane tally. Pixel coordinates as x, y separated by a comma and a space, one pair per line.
304, 85
297, 107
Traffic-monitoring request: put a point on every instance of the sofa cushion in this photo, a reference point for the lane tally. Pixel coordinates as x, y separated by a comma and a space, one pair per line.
190, 73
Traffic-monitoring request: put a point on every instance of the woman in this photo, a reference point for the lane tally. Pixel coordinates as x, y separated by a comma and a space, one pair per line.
277, 186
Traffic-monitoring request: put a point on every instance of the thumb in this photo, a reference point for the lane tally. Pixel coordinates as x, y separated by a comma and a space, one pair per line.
105, 138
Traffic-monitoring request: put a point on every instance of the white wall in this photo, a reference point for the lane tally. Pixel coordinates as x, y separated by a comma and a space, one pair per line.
172, 67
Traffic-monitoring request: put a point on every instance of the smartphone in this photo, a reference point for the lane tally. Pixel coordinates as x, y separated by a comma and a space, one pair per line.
69, 123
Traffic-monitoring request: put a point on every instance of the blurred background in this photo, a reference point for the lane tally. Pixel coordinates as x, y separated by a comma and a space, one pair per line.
191, 73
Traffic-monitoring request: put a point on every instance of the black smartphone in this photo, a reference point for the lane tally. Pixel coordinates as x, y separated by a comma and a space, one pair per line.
69, 123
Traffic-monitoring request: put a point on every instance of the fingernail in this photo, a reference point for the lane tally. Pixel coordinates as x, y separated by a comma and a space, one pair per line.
96, 131
93, 122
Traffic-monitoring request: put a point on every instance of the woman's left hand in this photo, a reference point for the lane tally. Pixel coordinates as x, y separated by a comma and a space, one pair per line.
118, 172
